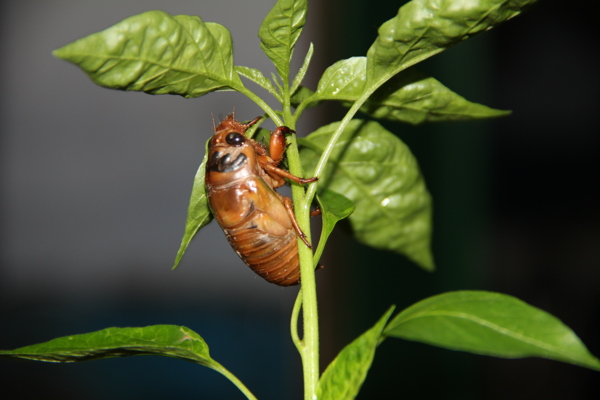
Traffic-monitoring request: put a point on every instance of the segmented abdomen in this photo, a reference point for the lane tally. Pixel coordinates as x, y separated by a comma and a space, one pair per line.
275, 258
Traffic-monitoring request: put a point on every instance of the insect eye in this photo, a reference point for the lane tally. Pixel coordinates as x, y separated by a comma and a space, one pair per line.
235, 139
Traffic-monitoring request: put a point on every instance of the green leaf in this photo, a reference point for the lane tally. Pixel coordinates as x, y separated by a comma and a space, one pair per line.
379, 174
262, 135
423, 28
411, 96
279, 32
344, 80
415, 98
199, 214
157, 53
300, 95
257, 77
160, 340
334, 207
345, 375
490, 323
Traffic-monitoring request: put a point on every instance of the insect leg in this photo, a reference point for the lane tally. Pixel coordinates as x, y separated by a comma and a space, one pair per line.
278, 172
277, 143
287, 202
249, 124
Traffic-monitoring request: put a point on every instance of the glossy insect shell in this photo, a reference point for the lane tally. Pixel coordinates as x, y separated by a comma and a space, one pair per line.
246, 206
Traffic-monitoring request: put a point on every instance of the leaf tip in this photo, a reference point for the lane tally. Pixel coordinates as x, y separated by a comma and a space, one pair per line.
430, 266
180, 253
389, 311
424, 259
177, 260
60, 53
495, 113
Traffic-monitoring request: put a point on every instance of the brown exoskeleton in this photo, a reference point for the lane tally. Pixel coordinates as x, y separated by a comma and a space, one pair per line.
258, 221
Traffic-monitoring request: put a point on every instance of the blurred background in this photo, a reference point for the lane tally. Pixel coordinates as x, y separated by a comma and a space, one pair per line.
94, 187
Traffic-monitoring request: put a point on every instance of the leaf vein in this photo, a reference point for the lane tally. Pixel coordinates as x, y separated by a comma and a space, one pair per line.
495, 327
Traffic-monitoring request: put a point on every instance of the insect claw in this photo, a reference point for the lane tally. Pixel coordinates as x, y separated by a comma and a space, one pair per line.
302, 181
314, 212
303, 237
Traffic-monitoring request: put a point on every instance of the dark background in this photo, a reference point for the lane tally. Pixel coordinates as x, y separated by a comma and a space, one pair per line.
95, 184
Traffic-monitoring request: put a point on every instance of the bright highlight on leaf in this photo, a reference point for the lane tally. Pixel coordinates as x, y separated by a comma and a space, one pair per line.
378, 173
424, 28
157, 53
490, 323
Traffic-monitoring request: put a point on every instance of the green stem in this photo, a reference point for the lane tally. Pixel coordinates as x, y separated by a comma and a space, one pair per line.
302, 201
320, 247
219, 368
294, 322
312, 188
309, 346
262, 104
310, 339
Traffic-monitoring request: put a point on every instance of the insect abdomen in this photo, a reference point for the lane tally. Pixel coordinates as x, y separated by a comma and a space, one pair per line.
274, 258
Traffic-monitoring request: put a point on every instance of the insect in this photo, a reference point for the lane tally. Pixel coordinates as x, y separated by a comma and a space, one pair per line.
258, 221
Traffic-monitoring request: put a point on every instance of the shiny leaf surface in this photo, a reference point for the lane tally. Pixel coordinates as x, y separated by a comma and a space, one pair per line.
279, 32
423, 28
157, 53
379, 174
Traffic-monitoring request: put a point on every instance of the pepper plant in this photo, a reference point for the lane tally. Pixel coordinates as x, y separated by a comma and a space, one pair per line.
366, 174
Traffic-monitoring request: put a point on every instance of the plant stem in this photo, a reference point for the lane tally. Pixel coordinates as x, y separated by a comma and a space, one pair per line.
312, 188
310, 340
294, 322
219, 368
309, 345
262, 104
302, 199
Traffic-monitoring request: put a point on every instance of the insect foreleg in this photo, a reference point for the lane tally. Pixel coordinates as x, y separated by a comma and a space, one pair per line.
277, 143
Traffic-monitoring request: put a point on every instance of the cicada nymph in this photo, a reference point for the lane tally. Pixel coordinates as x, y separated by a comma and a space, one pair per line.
259, 222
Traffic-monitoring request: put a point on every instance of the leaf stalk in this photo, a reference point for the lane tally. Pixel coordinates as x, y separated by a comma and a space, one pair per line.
225, 372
